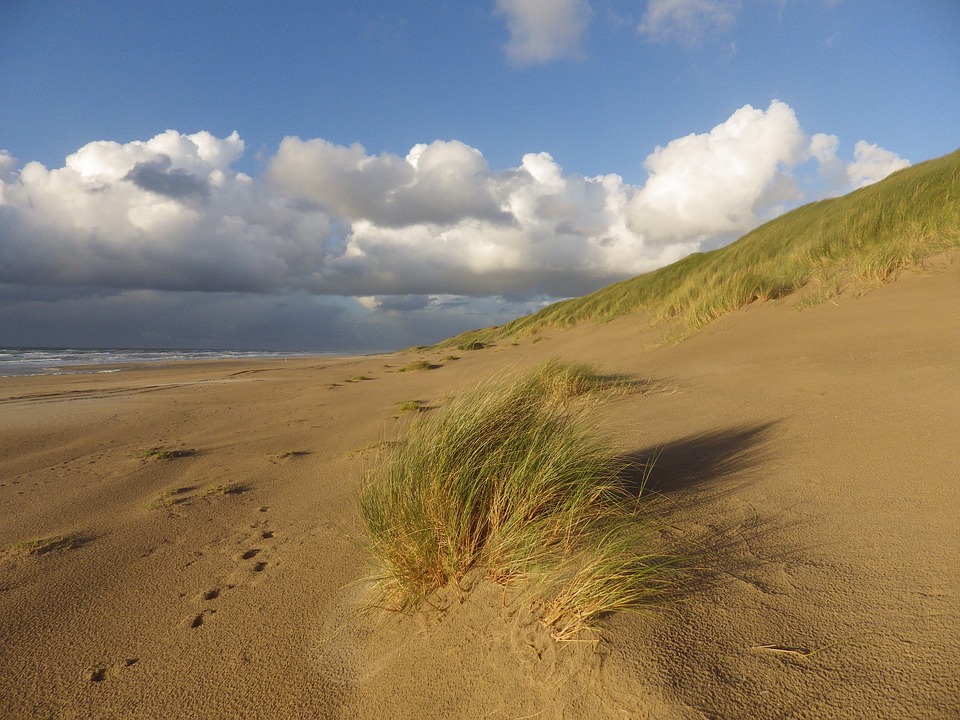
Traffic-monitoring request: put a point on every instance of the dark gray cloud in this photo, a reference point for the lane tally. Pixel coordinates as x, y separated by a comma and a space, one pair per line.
159, 176
91, 317
35, 316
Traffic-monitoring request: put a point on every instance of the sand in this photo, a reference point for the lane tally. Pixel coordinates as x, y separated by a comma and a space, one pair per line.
809, 460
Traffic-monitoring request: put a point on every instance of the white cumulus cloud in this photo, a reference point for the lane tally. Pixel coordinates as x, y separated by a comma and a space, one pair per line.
823, 148
720, 183
544, 30
872, 164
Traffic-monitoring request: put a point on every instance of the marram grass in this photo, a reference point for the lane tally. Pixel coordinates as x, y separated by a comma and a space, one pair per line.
511, 479
611, 573
560, 380
841, 245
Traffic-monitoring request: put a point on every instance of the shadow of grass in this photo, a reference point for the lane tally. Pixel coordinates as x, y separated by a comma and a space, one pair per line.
690, 490
703, 461
746, 554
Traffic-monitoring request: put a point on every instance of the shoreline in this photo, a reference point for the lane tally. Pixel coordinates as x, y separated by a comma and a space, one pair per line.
65, 361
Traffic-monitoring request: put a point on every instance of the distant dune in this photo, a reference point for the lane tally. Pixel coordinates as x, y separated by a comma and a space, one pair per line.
182, 541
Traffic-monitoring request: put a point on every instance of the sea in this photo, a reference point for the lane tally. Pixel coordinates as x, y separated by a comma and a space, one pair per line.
73, 361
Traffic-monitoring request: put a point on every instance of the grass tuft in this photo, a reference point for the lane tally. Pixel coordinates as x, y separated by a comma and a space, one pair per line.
417, 365
42, 546
165, 453
172, 497
231, 488
511, 479
560, 380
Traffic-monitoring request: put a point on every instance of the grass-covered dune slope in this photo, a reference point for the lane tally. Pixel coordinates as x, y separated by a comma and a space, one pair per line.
826, 248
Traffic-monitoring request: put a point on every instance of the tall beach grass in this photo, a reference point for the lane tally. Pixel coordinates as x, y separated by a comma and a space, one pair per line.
514, 480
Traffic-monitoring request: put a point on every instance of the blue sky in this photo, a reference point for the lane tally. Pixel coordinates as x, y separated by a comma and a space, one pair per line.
366, 175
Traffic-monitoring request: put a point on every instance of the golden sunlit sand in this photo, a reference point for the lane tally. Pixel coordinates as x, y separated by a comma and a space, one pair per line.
181, 541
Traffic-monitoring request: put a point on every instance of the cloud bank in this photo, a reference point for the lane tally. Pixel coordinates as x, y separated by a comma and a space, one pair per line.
402, 232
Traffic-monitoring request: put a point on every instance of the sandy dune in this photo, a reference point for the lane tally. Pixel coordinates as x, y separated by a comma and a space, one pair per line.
809, 459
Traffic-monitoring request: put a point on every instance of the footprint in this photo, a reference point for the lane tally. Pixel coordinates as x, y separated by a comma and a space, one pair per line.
212, 594
250, 554
266, 535
101, 673
198, 619
260, 567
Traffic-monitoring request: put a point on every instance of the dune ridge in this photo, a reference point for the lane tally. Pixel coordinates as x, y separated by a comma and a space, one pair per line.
845, 245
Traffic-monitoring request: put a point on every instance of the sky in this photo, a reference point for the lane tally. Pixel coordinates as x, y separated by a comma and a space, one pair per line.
361, 176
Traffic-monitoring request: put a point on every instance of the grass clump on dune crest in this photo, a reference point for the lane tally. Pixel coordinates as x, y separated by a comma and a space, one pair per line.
504, 481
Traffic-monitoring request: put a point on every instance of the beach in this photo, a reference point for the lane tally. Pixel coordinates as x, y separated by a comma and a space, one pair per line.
181, 540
